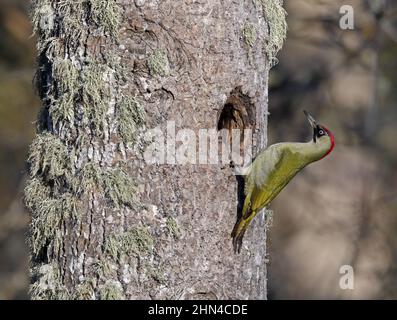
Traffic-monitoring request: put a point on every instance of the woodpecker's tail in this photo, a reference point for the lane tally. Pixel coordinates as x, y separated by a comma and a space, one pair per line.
239, 229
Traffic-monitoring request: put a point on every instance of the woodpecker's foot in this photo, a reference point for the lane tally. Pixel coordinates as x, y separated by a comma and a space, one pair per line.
238, 241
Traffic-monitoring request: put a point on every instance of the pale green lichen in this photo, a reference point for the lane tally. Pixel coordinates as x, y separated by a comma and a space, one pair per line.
130, 117
85, 290
62, 110
90, 178
51, 47
249, 33
66, 75
48, 157
35, 193
111, 290
94, 93
47, 13
46, 220
113, 246
102, 267
275, 16
72, 13
106, 15
47, 284
47, 210
137, 241
156, 273
113, 59
173, 227
158, 63
55, 188
119, 187
43, 17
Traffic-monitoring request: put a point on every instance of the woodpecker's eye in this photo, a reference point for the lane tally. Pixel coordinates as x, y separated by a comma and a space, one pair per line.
320, 132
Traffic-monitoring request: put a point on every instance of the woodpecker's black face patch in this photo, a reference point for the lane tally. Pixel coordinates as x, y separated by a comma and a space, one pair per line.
318, 132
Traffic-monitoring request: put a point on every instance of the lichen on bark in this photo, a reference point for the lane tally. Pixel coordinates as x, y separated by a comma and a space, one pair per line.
158, 63
136, 241
275, 16
173, 227
80, 88
111, 290
47, 283
106, 16
48, 157
130, 117
249, 33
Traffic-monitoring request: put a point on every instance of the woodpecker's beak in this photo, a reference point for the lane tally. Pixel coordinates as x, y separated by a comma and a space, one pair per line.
310, 118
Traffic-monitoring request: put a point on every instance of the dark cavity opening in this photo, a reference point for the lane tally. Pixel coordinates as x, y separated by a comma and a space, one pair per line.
237, 113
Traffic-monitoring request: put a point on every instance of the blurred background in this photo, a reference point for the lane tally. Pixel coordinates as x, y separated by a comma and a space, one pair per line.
19, 106
340, 211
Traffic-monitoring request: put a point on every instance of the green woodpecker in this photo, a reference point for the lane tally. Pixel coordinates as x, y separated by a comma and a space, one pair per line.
273, 168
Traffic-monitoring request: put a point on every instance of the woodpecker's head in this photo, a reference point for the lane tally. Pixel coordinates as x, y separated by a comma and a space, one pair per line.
320, 133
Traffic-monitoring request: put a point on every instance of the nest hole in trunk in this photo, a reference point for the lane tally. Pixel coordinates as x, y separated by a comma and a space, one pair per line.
236, 116
238, 113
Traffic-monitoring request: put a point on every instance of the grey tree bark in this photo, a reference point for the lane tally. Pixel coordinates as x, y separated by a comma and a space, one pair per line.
105, 223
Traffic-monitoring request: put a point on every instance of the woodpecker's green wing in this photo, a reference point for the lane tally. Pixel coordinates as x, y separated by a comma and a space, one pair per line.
257, 175
264, 164
274, 169
269, 173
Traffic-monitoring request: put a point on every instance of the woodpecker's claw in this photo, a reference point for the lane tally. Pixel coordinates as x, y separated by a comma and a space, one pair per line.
238, 241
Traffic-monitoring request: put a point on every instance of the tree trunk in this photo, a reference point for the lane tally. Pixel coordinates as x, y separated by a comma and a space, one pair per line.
106, 224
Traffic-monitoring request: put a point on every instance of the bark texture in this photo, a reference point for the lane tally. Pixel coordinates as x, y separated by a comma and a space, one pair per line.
105, 224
